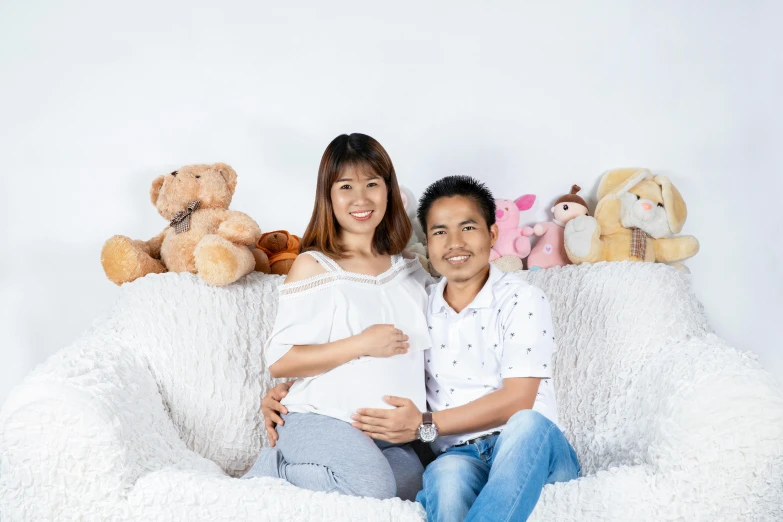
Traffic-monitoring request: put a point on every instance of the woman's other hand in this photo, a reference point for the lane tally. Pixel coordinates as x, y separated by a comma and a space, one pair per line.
271, 409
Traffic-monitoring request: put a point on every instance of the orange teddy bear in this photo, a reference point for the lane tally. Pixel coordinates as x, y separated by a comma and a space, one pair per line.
280, 248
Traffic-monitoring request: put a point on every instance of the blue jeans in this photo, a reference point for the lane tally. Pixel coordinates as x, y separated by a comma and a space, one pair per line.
499, 478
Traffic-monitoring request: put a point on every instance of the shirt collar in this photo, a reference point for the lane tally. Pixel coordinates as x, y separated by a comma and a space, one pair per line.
483, 299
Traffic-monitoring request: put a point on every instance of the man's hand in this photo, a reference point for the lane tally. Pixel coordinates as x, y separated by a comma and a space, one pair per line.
271, 408
398, 426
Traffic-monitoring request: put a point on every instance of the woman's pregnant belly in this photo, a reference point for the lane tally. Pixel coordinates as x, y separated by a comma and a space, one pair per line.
362, 383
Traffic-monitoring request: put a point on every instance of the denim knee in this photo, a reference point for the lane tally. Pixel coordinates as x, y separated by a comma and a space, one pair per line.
446, 476
526, 423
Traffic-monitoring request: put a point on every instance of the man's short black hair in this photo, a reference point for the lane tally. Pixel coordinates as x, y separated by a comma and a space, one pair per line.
451, 186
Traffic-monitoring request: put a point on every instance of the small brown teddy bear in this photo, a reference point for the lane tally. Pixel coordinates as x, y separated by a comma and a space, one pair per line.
636, 219
203, 236
281, 248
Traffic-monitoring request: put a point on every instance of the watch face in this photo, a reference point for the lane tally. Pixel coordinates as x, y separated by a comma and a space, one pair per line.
428, 432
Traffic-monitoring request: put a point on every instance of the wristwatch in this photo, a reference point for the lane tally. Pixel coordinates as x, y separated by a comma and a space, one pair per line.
427, 431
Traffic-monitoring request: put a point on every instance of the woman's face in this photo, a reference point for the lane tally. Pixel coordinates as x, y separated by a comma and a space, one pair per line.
359, 200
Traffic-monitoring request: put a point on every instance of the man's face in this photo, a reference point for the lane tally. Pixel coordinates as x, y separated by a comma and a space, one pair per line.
458, 238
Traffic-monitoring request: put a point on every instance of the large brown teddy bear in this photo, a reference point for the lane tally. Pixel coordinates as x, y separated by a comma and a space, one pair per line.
635, 220
203, 236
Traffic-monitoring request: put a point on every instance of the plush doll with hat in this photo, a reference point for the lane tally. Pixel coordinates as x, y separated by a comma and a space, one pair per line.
550, 250
280, 248
636, 219
203, 236
512, 245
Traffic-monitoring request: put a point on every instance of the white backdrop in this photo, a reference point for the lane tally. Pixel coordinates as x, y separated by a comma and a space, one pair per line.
97, 98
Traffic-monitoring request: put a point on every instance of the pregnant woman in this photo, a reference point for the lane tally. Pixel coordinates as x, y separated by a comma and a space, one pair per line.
351, 328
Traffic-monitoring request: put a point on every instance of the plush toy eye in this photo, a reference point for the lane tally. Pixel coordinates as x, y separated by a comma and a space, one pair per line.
638, 197
198, 177
174, 173
565, 207
660, 205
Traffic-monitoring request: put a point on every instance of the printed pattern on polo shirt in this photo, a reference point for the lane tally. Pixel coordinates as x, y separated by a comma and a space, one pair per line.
507, 336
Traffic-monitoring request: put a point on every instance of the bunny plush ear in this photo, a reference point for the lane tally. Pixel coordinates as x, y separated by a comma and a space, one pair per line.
155, 189
525, 202
676, 211
620, 181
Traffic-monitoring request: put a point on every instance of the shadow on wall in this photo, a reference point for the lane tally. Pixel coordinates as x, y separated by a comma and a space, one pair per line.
46, 307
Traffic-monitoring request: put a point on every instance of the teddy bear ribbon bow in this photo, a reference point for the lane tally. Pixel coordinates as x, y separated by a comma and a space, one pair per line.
181, 221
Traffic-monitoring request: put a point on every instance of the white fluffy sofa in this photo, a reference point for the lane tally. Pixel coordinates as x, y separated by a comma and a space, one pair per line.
151, 414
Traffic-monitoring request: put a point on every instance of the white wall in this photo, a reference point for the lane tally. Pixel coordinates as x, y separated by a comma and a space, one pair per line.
97, 98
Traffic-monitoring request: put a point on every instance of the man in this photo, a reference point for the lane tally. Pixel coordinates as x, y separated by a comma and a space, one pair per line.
493, 420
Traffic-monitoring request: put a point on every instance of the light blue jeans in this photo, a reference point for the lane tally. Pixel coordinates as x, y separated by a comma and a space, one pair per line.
499, 478
320, 453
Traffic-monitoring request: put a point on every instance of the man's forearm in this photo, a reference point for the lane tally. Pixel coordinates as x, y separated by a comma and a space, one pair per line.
488, 412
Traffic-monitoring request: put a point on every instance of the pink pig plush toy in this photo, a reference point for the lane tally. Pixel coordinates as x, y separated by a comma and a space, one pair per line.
512, 239
549, 250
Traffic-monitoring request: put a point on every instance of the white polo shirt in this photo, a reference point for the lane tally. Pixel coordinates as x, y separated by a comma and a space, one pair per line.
505, 332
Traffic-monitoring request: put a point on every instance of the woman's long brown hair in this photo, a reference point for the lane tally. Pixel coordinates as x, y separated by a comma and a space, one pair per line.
359, 150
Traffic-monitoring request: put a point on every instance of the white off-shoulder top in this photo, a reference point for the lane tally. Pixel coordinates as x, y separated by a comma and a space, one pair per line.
339, 304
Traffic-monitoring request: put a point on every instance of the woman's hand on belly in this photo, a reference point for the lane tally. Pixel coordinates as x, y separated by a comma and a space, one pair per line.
383, 340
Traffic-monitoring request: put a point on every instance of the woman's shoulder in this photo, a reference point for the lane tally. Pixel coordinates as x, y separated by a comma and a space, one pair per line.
305, 266
308, 275
412, 264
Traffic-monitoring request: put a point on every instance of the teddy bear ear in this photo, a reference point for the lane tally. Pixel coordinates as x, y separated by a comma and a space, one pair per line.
525, 202
155, 189
676, 211
228, 174
620, 181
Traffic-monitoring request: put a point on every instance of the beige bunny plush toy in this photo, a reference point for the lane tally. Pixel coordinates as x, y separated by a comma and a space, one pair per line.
636, 219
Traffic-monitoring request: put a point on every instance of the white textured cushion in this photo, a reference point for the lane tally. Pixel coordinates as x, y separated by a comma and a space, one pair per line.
203, 345
152, 412
669, 423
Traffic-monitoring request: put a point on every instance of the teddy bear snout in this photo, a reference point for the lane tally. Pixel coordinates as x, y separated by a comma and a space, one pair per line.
646, 206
